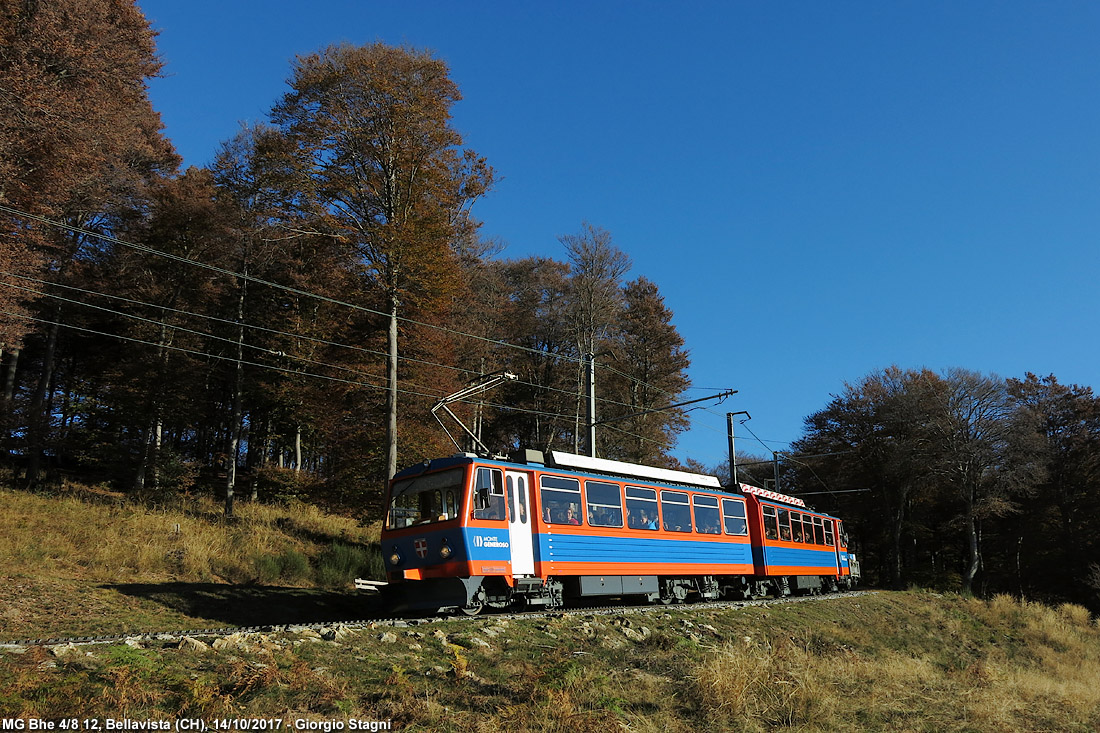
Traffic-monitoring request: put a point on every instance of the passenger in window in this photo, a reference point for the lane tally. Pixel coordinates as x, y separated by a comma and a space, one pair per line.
571, 516
785, 533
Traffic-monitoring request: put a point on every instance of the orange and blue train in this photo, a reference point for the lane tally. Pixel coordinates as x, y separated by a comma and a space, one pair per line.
467, 532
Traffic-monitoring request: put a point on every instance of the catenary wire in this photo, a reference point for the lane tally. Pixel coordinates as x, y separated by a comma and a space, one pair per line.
184, 329
217, 319
261, 281
276, 368
227, 272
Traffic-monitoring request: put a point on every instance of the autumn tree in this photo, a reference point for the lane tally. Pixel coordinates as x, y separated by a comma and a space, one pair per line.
650, 373
872, 437
945, 459
77, 131
187, 222
381, 169
79, 141
1054, 542
986, 454
535, 319
597, 267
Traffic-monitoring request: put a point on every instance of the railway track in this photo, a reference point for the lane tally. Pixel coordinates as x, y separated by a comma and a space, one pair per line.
330, 629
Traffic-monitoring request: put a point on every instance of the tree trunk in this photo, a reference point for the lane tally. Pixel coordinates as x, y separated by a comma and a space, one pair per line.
235, 420
297, 449
391, 393
896, 566
146, 443
973, 557
9, 380
158, 443
39, 421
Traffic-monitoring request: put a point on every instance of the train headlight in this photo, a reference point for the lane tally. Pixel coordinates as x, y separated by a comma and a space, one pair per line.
395, 558
445, 550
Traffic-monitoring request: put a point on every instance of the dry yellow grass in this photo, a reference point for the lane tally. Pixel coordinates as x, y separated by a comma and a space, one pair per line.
69, 537
1045, 679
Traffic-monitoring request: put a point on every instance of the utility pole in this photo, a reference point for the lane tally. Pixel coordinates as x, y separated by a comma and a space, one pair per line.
590, 361
591, 405
733, 451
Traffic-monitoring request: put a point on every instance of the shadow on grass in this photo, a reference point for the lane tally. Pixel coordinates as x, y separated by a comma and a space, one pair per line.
252, 605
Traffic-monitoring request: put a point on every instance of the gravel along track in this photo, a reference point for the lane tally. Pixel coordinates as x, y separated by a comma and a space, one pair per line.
330, 630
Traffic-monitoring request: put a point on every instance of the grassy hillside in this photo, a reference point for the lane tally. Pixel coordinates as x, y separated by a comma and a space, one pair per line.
84, 562
888, 661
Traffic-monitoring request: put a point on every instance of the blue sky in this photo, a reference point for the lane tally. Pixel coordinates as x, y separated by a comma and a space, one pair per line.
819, 189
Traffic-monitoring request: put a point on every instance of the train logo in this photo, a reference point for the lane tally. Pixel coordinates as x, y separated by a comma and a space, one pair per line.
494, 541
421, 546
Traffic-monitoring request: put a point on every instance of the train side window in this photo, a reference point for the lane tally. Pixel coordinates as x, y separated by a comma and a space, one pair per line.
641, 508
796, 527
675, 511
489, 494
829, 532
771, 523
561, 500
819, 531
733, 517
521, 489
511, 496
605, 504
784, 524
706, 514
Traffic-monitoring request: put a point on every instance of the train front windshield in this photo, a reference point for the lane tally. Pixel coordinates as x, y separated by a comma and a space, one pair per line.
435, 497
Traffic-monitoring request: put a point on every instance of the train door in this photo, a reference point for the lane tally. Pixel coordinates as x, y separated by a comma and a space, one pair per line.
520, 523
841, 549
832, 537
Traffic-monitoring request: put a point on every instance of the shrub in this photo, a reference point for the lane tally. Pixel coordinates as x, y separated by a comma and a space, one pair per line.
291, 566
340, 564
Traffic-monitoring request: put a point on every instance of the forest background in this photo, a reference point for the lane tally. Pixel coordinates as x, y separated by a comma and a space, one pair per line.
279, 323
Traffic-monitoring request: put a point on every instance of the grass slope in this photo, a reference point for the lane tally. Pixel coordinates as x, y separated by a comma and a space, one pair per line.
71, 566
913, 661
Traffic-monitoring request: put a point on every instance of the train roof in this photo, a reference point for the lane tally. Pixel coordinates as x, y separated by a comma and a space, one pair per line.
631, 470
603, 466
574, 462
773, 495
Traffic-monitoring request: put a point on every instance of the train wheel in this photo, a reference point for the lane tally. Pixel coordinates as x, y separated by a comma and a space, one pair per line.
473, 609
